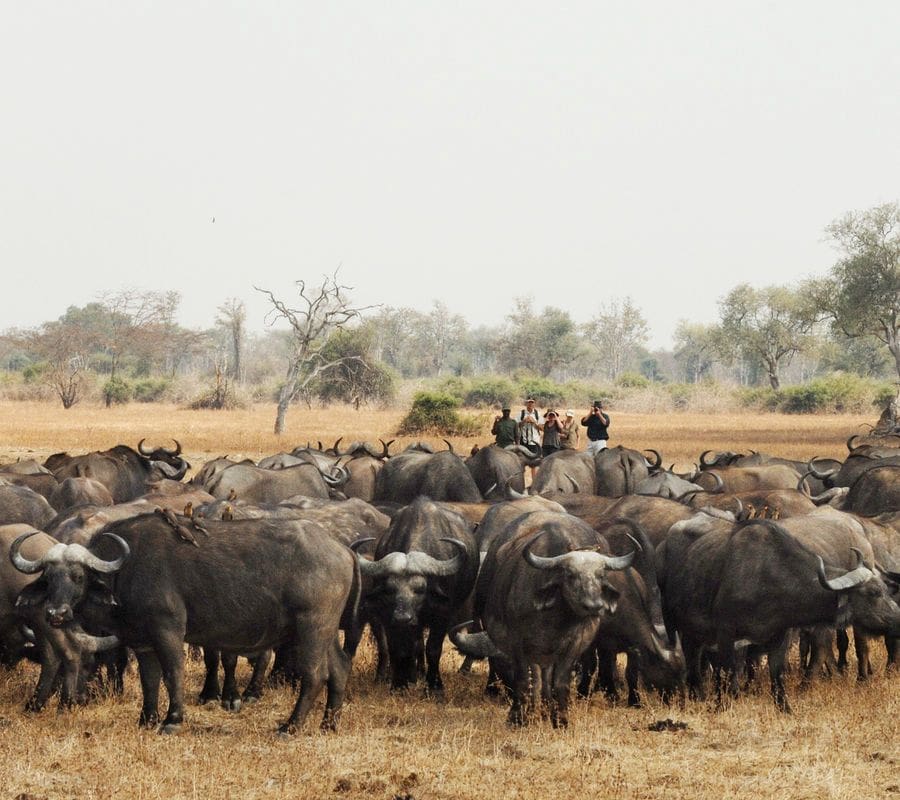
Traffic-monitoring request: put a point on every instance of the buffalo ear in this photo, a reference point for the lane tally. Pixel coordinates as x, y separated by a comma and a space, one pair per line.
611, 596
546, 596
32, 595
100, 594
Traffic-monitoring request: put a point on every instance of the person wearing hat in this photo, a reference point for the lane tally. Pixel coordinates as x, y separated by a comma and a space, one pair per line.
568, 433
505, 429
597, 423
530, 425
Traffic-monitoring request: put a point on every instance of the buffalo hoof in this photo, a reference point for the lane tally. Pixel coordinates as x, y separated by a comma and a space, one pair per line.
169, 728
329, 722
286, 731
148, 720
232, 705
251, 699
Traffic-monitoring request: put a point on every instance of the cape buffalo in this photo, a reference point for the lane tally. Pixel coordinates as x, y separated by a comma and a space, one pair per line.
239, 587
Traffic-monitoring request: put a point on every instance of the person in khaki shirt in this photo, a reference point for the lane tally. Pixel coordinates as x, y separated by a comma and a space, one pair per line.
568, 434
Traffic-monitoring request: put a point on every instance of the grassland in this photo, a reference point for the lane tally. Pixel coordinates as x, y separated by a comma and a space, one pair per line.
841, 741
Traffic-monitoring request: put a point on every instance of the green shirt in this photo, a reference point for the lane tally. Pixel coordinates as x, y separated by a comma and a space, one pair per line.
505, 431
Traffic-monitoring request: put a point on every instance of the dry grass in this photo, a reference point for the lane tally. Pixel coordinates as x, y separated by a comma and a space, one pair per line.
841, 742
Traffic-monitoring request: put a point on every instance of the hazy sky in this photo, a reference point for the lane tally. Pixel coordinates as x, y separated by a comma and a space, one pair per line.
470, 152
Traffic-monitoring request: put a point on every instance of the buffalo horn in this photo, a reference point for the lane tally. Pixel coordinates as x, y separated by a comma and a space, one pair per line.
343, 475
820, 475
658, 463
140, 448
703, 462
386, 447
334, 447
20, 562
541, 562
849, 580
94, 644
449, 445
720, 484
512, 494
176, 452
428, 565
802, 485
475, 645
850, 446
81, 555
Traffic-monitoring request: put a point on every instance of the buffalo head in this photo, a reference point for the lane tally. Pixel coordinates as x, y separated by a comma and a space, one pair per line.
400, 580
69, 576
578, 579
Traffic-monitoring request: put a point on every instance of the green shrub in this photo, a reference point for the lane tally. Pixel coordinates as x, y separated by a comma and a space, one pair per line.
759, 398
680, 393
35, 372
455, 387
490, 391
839, 392
117, 390
150, 390
631, 380
545, 392
436, 412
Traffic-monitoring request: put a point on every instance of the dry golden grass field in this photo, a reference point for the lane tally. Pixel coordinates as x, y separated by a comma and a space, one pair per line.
841, 741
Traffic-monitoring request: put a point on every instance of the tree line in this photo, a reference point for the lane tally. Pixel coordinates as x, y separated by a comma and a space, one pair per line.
330, 349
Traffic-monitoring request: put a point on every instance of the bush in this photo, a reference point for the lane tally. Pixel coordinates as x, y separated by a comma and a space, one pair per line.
631, 380
436, 412
839, 392
117, 390
150, 390
490, 391
758, 398
455, 387
545, 392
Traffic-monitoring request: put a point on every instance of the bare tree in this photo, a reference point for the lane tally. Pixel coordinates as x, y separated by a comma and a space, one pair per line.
617, 332
231, 318
63, 346
322, 310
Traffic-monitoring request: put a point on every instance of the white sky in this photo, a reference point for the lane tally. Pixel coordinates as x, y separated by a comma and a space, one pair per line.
470, 152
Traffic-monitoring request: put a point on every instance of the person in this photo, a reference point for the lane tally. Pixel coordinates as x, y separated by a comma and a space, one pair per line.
530, 424
597, 423
568, 434
552, 430
505, 429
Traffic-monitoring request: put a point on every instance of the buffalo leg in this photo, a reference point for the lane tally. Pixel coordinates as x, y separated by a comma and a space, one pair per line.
50, 666
312, 665
608, 674
863, 662
518, 711
587, 668
726, 669
338, 671
693, 655
560, 678
254, 689
843, 645
402, 648
632, 675
382, 664
150, 674
892, 645
170, 651
231, 698
211, 691
777, 657
433, 650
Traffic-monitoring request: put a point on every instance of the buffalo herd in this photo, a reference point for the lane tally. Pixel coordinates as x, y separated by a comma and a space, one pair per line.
693, 577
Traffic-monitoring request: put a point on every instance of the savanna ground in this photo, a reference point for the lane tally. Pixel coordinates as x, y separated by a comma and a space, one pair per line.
840, 742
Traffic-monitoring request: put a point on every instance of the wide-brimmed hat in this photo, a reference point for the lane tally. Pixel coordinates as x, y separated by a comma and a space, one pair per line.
570, 413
